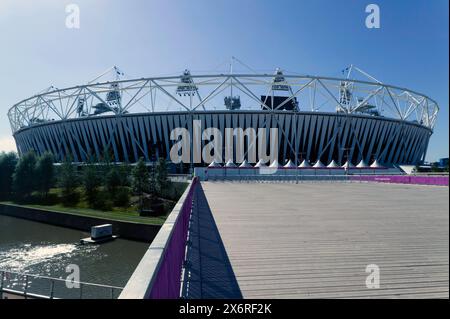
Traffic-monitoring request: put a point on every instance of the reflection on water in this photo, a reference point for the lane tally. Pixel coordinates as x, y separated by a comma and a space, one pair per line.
41, 249
21, 259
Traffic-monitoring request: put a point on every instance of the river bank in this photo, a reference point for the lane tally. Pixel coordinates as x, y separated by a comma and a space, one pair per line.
125, 229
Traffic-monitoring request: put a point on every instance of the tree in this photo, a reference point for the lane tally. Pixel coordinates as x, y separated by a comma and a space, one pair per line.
44, 173
152, 181
23, 178
105, 161
140, 177
91, 183
161, 175
8, 162
140, 180
124, 172
435, 167
113, 181
68, 181
117, 184
106, 156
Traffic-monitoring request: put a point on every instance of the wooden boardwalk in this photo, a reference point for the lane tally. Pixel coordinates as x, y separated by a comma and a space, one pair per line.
314, 240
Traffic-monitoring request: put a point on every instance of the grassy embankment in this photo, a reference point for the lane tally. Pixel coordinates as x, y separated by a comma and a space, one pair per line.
126, 214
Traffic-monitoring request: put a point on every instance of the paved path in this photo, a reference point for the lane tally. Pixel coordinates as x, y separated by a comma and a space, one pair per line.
314, 240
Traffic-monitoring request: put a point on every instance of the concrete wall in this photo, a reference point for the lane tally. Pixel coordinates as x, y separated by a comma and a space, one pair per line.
126, 230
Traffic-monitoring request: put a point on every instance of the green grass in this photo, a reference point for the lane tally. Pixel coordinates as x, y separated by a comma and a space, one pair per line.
115, 214
125, 214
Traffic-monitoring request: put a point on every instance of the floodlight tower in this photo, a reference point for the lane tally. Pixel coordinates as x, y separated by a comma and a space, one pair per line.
188, 88
279, 84
232, 102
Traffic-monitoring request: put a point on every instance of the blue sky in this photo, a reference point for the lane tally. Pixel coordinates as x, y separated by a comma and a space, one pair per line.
157, 37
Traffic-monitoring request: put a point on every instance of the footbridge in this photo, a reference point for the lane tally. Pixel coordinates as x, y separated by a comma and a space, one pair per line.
363, 237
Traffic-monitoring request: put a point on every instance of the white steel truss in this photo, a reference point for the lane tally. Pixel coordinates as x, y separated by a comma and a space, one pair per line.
133, 118
312, 93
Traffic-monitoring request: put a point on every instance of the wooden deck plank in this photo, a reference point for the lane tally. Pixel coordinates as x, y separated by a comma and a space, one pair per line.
314, 240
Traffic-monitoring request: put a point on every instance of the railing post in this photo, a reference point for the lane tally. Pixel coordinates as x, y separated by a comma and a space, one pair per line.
26, 286
52, 288
1, 283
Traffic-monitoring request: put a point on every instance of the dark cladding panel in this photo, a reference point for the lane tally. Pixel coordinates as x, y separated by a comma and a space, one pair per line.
318, 136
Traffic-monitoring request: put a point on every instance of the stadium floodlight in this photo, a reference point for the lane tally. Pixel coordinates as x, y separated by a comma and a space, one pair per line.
279, 82
232, 102
187, 86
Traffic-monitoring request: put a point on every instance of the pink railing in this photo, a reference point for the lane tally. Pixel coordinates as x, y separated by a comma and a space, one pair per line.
402, 179
168, 279
158, 275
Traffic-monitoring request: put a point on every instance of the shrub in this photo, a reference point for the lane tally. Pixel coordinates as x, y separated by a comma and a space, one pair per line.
122, 198
102, 201
70, 198
174, 190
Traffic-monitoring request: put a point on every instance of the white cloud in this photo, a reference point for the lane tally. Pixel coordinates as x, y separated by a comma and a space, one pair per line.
7, 144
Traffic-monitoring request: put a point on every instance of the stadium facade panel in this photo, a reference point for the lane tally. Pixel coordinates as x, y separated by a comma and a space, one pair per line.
313, 136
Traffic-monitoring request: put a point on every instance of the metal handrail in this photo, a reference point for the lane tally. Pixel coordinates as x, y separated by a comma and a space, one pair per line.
52, 284
430, 174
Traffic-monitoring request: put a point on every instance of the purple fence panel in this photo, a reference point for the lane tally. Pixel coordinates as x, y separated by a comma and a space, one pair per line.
430, 180
168, 279
403, 179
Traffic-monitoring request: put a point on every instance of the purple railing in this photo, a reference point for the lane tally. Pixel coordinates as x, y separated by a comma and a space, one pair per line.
168, 279
402, 179
158, 274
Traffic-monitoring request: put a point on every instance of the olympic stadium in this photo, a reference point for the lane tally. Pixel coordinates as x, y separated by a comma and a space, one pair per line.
319, 119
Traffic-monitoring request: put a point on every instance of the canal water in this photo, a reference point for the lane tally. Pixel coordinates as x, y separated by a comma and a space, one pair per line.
40, 249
